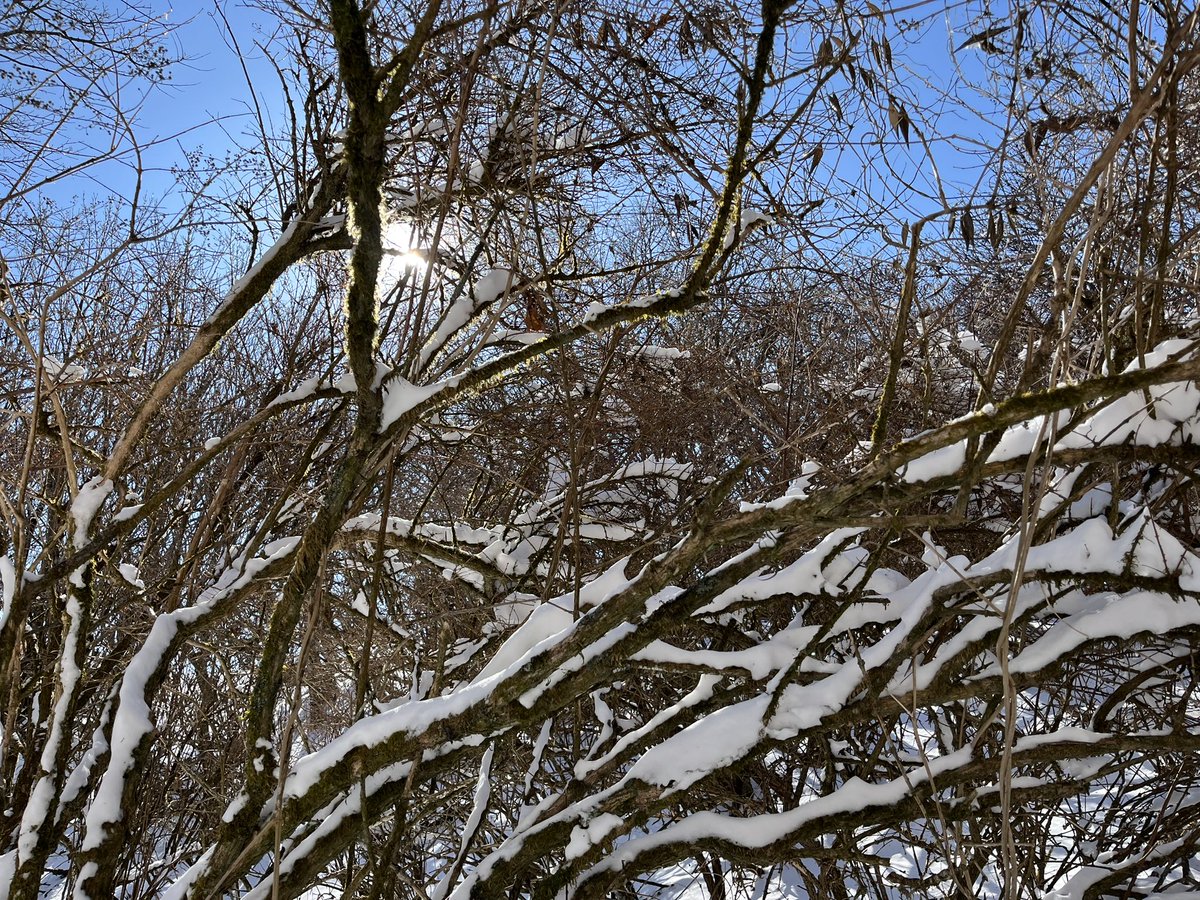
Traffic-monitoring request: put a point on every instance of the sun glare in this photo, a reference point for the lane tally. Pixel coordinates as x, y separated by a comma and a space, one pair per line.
400, 243
400, 254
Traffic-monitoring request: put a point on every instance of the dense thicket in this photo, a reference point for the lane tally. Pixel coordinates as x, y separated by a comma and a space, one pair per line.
636, 449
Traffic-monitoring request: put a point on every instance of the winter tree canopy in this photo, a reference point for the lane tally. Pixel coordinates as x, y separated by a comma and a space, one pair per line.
621, 449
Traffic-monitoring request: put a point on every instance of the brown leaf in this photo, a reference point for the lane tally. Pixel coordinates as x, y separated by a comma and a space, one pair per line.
652, 28
687, 40
814, 157
898, 117
535, 313
995, 228
825, 52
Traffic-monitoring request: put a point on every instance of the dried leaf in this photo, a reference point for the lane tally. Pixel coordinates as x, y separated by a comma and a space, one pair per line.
898, 117
983, 40
814, 157
995, 228
968, 228
652, 28
825, 52
687, 40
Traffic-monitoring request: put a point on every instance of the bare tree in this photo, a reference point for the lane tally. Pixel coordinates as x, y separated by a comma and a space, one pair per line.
596, 482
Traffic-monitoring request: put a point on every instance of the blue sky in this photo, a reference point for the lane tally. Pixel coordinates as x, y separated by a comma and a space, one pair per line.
210, 81
204, 106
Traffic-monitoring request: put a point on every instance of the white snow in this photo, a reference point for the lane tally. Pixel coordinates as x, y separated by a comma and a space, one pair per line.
935, 464
492, 286
485, 291
132, 575
401, 396
804, 576
38, 808
701, 692
8, 587
85, 506
717, 740
132, 723
127, 512
760, 830
647, 301
759, 661
798, 489
236, 805
657, 354
573, 136
747, 219
584, 837
63, 373
483, 791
